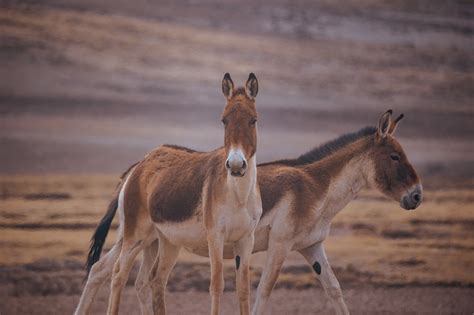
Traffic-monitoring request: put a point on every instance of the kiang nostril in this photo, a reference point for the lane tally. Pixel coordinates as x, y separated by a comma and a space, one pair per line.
227, 164
244, 164
416, 197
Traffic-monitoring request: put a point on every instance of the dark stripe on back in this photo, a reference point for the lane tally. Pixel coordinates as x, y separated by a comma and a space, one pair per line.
325, 149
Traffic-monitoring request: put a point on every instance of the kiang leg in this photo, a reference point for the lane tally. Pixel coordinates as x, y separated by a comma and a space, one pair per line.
277, 253
130, 250
315, 255
216, 248
164, 263
142, 284
242, 253
99, 273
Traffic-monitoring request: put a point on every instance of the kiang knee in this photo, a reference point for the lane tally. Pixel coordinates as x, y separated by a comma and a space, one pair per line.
334, 292
157, 287
119, 279
117, 282
116, 269
244, 294
216, 288
266, 291
140, 284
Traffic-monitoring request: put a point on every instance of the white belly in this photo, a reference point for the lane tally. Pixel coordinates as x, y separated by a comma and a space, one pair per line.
190, 233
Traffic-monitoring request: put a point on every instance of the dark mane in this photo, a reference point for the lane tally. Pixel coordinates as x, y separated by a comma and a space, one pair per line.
325, 149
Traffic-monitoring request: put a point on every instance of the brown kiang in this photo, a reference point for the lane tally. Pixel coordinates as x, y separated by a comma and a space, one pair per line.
186, 198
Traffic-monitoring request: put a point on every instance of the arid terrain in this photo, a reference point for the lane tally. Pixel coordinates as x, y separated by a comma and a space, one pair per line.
387, 259
89, 87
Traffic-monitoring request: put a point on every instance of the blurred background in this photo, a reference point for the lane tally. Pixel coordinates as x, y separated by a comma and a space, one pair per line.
89, 87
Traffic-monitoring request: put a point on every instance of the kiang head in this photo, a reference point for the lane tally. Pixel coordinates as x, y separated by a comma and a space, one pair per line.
392, 173
239, 119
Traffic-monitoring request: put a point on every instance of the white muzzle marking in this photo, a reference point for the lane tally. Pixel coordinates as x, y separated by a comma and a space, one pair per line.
236, 163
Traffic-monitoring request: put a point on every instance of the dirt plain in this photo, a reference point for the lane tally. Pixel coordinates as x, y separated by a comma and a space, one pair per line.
88, 87
387, 260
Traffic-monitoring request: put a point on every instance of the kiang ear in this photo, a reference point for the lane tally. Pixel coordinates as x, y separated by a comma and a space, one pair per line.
384, 124
251, 87
227, 86
394, 124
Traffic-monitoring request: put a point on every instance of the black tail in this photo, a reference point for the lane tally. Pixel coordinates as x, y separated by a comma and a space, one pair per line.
100, 234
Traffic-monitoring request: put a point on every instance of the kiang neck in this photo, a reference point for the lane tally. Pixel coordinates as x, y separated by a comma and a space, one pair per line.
240, 188
348, 171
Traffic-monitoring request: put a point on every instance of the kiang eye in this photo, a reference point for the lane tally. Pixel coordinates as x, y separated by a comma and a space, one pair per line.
253, 122
395, 157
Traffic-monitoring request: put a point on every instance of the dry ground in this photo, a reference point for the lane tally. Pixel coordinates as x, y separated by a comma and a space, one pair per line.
387, 259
